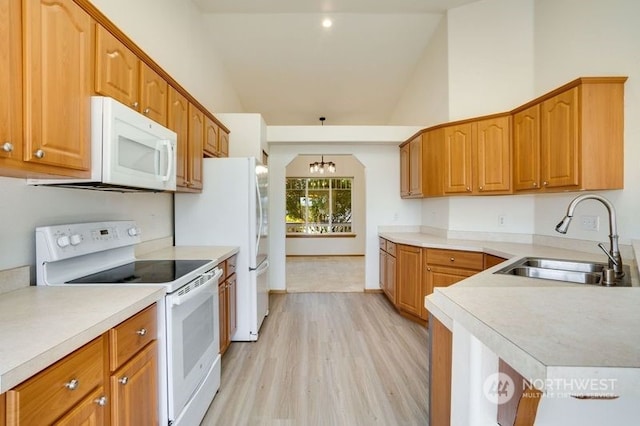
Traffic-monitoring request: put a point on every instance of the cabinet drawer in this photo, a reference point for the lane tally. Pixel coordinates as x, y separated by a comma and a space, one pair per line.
130, 336
455, 258
231, 265
382, 243
49, 394
391, 248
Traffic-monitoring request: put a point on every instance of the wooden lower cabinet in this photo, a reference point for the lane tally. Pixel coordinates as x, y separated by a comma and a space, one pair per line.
110, 380
409, 292
90, 411
440, 358
227, 297
387, 269
134, 390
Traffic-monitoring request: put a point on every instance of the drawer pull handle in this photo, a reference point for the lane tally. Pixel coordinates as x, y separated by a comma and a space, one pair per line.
452, 259
142, 332
102, 401
124, 380
72, 385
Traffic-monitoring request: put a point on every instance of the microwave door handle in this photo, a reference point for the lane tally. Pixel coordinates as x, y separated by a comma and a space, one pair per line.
167, 176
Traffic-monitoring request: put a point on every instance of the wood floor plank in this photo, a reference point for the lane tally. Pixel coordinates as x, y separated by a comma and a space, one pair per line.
326, 359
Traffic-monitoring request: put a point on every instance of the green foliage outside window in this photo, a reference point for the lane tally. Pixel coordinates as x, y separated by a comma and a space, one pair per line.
318, 206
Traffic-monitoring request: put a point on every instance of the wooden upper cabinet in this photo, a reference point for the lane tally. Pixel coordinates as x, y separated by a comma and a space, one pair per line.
411, 179
559, 140
178, 121
577, 130
223, 144
492, 155
10, 86
117, 69
58, 82
526, 149
195, 146
210, 137
457, 158
404, 171
432, 169
153, 94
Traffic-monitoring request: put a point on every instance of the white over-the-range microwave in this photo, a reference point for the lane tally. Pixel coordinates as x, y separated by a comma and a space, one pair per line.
129, 152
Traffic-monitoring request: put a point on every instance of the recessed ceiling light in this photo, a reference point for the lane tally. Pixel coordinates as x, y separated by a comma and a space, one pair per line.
327, 23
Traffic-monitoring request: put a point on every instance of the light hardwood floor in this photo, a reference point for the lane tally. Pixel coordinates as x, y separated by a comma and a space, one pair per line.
326, 359
325, 274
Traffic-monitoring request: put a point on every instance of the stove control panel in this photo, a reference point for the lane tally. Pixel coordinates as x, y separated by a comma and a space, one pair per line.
66, 241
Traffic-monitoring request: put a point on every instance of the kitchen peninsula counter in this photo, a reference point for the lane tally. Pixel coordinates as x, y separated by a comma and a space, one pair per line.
41, 325
552, 333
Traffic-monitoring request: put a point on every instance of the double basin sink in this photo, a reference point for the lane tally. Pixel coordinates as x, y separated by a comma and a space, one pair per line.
577, 272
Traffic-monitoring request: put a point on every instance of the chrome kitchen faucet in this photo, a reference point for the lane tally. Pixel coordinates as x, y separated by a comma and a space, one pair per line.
615, 260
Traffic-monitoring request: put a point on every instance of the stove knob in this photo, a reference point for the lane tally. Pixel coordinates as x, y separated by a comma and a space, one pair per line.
133, 232
63, 241
76, 239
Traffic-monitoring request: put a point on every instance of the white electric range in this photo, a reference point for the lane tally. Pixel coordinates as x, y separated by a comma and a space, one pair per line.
102, 253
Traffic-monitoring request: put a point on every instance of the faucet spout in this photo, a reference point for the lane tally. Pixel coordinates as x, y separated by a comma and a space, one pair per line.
615, 260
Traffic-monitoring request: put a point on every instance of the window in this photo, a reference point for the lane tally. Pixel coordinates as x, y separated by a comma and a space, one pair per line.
318, 206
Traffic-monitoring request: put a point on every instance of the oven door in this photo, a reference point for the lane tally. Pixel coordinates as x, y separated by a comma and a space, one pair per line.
192, 340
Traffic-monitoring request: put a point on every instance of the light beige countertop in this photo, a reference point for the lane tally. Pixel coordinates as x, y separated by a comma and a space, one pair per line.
544, 329
216, 253
40, 325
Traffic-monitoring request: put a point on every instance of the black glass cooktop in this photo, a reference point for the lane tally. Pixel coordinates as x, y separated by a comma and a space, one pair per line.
144, 272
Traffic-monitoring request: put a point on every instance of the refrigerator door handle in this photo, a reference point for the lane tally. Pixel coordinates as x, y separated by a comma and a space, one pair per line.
259, 201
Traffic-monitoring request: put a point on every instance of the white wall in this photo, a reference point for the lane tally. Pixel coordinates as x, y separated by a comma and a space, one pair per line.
382, 176
598, 38
174, 34
346, 166
425, 99
490, 57
23, 208
248, 137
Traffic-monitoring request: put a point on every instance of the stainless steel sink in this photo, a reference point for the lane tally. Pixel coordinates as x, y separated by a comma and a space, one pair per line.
578, 272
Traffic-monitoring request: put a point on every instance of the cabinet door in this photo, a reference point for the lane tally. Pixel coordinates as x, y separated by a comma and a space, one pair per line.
390, 270
433, 170
153, 95
117, 69
382, 270
441, 276
457, 158
559, 138
409, 288
178, 121
222, 313
526, 149
404, 171
10, 85
134, 390
58, 83
492, 155
90, 411
232, 309
415, 167
223, 145
194, 150
210, 137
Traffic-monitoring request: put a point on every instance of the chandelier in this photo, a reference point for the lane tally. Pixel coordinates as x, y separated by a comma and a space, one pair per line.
322, 167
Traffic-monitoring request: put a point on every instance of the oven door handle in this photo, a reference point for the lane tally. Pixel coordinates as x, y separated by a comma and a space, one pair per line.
177, 299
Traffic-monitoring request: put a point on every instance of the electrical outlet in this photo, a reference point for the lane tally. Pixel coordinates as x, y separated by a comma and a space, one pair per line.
590, 223
502, 220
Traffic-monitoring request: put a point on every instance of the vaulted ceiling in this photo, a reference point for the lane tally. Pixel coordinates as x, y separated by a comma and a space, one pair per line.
284, 64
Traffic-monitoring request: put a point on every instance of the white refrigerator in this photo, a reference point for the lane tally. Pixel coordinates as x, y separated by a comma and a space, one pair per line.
232, 211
